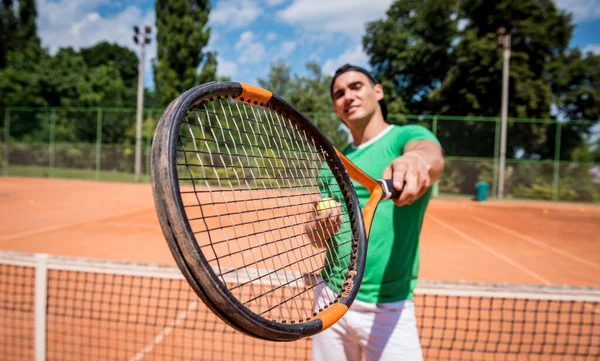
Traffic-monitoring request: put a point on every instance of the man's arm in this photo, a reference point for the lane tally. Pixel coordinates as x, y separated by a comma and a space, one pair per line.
416, 170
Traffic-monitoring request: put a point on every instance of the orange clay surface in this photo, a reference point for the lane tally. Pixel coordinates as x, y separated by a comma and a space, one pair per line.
511, 241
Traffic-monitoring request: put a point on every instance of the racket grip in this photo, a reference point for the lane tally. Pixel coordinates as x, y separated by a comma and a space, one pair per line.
388, 189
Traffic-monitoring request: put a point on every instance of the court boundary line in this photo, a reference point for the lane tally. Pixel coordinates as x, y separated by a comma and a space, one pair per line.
537, 242
170, 327
492, 251
68, 225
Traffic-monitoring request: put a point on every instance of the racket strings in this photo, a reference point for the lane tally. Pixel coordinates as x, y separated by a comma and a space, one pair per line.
248, 179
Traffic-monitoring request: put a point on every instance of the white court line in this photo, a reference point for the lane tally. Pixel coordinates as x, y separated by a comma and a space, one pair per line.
66, 225
165, 332
492, 251
538, 243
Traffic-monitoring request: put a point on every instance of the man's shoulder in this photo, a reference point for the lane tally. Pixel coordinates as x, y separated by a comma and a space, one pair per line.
409, 127
409, 132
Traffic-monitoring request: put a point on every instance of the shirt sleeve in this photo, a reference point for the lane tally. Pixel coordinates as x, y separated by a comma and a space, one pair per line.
417, 132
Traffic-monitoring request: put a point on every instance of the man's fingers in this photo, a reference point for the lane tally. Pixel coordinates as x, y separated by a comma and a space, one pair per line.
399, 175
387, 172
411, 187
330, 219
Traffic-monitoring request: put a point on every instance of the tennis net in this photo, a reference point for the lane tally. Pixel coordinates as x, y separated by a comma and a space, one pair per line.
62, 308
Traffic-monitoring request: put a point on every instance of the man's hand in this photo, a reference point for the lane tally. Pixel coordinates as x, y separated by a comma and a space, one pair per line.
321, 227
410, 171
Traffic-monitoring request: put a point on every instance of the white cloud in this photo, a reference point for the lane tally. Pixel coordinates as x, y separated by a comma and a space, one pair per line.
592, 48
235, 14
226, 67
77, 24
285, 49
354, 56
271, 36
338, 16
249, 51
582, 10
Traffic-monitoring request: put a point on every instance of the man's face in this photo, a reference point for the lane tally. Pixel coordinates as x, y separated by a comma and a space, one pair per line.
355, 98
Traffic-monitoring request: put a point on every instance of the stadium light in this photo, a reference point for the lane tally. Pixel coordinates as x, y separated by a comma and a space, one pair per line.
503, 41
141, 40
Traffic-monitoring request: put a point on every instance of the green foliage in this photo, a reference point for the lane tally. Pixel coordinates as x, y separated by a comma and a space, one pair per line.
279, 79
88, 78
409, 51
117, 58
18, 31
21, 82
578, 92
441, 57
310, 95
542, 191
182, 34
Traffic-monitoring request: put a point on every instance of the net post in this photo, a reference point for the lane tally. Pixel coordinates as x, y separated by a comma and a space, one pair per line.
41, 299
556, 162
6, 136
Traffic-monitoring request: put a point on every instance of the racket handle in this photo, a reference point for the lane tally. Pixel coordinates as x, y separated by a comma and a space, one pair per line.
388, 189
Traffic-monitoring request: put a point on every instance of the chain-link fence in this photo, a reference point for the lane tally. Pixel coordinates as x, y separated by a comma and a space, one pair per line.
87, 143
546, 159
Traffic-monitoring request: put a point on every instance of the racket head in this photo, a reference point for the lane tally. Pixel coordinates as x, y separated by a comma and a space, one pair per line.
235, 172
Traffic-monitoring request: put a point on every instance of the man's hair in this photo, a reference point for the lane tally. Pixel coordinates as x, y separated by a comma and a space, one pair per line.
348, 67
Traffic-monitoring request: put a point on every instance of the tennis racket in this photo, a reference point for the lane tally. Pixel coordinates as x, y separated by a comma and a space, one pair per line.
237, 175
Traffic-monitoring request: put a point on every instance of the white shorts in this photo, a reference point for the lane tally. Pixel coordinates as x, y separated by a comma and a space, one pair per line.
380, 332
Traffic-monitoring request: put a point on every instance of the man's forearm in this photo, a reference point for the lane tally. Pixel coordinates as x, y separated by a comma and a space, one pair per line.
429, 153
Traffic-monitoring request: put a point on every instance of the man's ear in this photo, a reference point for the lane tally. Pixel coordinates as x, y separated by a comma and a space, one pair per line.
379, 90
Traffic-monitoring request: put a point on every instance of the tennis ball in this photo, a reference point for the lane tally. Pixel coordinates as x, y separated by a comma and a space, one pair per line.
325, 204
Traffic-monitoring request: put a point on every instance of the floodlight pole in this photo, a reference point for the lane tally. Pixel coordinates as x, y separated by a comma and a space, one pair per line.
142, 40
504, 41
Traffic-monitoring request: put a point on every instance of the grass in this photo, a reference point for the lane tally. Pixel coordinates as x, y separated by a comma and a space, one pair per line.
46, 172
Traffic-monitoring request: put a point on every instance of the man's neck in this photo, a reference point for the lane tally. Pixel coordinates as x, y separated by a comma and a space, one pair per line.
361, 135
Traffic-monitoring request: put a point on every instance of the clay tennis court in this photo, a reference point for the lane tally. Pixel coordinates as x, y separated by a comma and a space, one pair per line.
512, 241
503, 242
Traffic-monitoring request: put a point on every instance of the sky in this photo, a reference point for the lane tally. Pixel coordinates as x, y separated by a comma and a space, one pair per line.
249, 35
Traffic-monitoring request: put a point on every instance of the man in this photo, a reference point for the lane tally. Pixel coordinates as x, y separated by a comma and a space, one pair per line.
381, 323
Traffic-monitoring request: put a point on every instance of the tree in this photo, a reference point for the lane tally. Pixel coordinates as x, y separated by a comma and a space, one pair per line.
182, 34
575, 81
27, 33
20, 54
18, 32
310, 95
443, 59
279, 79
409, 51
472, 85
123, 59
8, 29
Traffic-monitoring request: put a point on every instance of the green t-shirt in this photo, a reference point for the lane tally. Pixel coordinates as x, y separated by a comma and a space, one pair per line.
393, 251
